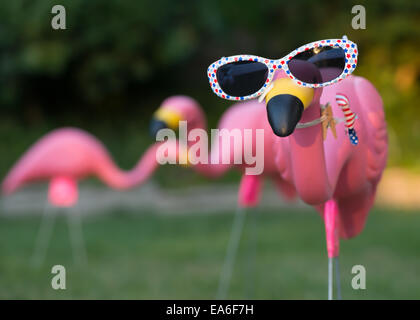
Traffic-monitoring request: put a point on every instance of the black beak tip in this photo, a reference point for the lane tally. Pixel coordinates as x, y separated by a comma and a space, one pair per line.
283, 132
284, 112
155, 126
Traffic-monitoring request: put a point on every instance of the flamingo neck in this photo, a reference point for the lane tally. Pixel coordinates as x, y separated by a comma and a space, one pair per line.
148, 162
309, 171
213, 168
119, 179
184, 145
116, 178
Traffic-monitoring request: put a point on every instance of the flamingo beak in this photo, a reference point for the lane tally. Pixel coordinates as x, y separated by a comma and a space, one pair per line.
285, 104
164, 118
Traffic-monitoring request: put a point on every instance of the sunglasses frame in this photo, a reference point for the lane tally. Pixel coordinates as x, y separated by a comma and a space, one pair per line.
350, 51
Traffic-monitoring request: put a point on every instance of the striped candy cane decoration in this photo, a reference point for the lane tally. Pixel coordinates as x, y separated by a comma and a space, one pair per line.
350, 116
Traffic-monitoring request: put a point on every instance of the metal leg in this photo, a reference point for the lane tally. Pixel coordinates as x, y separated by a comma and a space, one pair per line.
76, 235
232, 249
251, 255
331, 263
44, 235
330, 278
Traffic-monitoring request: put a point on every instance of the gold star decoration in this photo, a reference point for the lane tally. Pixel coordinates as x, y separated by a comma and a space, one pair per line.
328, 122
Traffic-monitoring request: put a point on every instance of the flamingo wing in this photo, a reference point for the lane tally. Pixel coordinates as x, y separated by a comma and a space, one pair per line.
376, 128
355, 208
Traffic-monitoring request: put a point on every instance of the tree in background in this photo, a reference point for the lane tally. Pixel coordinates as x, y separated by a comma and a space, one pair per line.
117, 59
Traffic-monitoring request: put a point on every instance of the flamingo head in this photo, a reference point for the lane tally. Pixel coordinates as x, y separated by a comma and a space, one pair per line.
175, 109
286, 102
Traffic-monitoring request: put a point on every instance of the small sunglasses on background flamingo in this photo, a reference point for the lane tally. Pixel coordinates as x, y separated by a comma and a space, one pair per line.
314, 65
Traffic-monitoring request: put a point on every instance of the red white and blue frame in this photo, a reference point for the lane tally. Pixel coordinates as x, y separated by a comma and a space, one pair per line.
349, 47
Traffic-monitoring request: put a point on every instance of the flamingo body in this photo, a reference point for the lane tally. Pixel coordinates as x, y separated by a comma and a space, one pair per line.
67, 152
67, 155
335, 169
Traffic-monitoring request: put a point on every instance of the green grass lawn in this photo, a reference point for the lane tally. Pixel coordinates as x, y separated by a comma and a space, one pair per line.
151, 256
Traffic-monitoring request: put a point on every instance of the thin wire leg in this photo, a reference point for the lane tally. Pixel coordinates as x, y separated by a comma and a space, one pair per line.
337, 278
1, 207
76, 236
330, 278
251, 256
43, 236
232, 249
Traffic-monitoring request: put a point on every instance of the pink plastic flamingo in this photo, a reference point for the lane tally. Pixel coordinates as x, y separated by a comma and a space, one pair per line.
247, 115
63, 157
338, 176
67, 155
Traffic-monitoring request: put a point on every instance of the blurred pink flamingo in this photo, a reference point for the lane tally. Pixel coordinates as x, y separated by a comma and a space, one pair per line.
245, 115
63, 157
67, 155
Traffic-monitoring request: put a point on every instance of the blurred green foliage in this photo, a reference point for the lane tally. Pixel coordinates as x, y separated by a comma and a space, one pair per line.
117, 60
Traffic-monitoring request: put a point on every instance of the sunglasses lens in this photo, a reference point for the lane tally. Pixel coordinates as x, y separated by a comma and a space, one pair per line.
319, 65
242, 78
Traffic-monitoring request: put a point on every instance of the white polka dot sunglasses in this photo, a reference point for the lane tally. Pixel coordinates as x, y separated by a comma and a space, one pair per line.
314, 65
